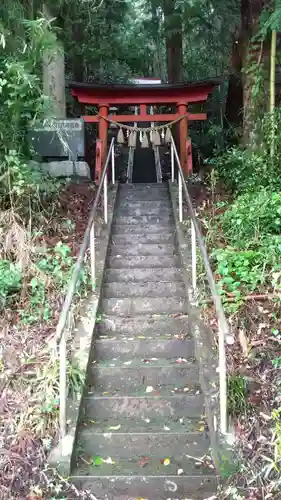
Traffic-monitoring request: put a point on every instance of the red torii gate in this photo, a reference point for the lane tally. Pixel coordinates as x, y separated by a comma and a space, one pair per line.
105, 95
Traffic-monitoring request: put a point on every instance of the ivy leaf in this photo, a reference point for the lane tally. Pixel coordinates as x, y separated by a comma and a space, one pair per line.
97, 461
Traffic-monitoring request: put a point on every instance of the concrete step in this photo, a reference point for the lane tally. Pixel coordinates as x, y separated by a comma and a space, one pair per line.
144, 229
130, 466
148, 289
182, 405
124, 204
143, 219
149, 487
144, 261
142, 424
150, 305
127, 445
131, 211
109, 348
144, 327
156, 274
164, 376
160, 238
142, 185
143, 249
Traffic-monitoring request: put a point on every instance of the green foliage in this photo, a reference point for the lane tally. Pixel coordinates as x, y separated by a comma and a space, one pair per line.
237, 395
10, 281
251, 256
243, 170
54, 269
21, 102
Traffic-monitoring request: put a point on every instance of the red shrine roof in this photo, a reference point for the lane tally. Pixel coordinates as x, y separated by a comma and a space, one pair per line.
116, 93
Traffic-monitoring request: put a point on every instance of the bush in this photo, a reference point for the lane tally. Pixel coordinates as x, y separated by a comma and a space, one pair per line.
10, 281
252, 217
251, 257
244, 170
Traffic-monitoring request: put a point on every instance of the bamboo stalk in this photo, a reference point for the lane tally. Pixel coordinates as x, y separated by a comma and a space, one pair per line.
272, 89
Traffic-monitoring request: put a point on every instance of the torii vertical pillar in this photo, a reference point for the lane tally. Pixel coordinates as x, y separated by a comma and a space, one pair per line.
103, 127
183, 130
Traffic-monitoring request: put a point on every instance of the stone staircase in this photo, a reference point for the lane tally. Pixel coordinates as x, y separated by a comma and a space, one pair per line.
142, 433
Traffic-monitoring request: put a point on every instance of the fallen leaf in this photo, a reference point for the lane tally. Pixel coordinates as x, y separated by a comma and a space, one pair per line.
108, 460
143, 462
243, 342
166, 428
201, 428
166, 461
179, 472
181, 360
96, 461
149, 388
114, 428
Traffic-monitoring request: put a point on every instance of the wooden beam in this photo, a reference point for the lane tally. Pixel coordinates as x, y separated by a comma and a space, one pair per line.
145, 118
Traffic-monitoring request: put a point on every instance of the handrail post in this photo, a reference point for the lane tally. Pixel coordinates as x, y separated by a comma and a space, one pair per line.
62, 385
113, 165
93, 256
194, 258
222, 382
180, 197
105, 199
172, 163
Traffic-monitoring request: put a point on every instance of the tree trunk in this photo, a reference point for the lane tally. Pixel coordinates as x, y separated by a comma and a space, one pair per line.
241, 104
54, 76
173, 40
234, 100
78, 61
251, 56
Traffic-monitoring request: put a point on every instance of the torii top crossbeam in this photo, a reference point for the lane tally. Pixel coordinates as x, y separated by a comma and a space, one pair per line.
106, 95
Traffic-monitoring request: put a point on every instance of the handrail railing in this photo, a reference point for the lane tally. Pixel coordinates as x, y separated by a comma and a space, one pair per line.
88, 239
225, 335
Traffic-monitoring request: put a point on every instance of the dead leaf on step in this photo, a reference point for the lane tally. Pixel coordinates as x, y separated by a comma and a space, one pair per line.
143, 461
166, 461
149, 388
114, 428
243, 342
108, 461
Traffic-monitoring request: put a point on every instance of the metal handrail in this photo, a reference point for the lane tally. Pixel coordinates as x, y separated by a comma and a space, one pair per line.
89, 238
225, 336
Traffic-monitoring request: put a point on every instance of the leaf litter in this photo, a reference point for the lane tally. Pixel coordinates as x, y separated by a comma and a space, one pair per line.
29, 368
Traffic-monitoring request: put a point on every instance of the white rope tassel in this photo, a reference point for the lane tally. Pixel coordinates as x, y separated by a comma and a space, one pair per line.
145, 143
120, 136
